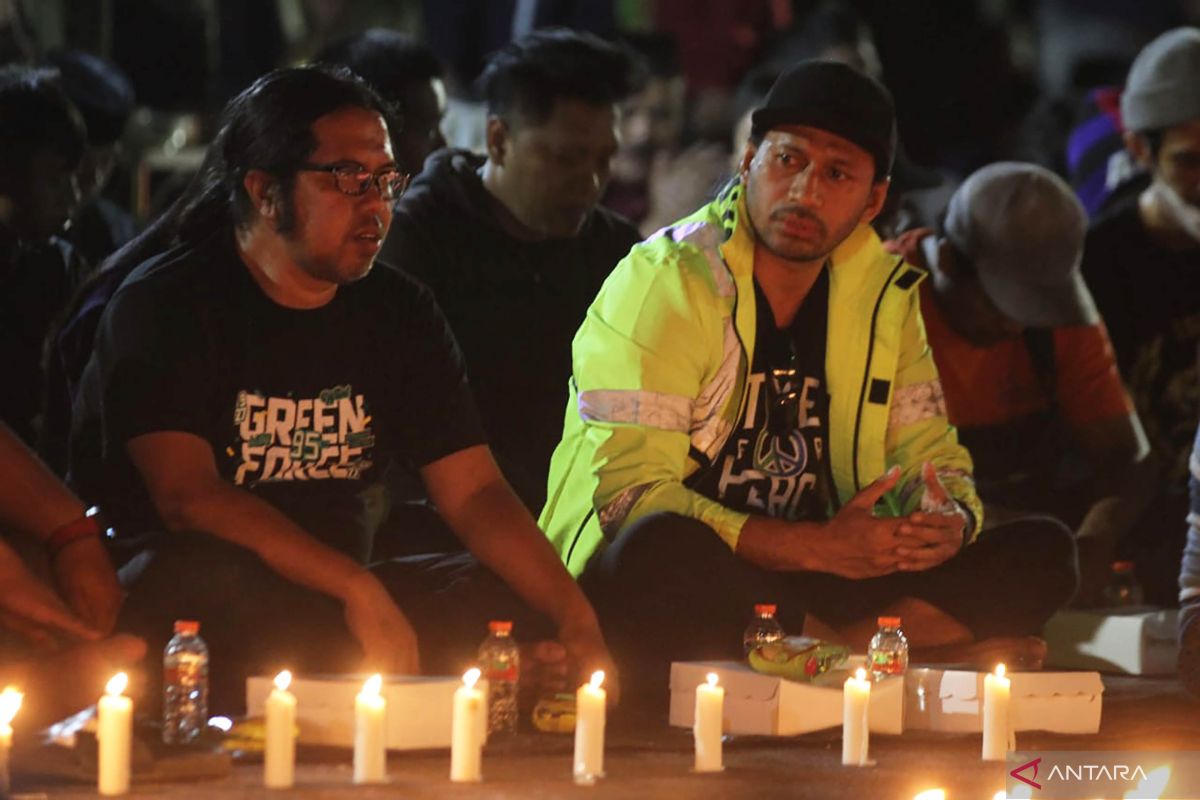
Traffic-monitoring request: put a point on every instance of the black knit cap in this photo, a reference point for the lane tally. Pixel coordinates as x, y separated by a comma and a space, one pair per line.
834, 97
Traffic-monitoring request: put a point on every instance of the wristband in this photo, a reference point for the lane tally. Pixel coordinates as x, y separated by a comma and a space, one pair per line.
79, 528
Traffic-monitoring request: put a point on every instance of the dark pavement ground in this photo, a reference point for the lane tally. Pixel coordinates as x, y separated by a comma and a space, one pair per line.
647, 759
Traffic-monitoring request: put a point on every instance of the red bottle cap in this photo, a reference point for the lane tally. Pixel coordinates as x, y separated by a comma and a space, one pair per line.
187, 626
765, 609
500, 626
1122, 566
888, 622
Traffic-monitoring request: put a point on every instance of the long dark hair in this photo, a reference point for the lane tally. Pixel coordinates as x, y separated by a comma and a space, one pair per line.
268, 126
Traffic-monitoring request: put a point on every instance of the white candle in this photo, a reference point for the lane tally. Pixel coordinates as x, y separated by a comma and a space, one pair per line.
279, 756
469, 730
996, 692
370, 733
10, 704
114, 735
590, 702
706, 729
856, 736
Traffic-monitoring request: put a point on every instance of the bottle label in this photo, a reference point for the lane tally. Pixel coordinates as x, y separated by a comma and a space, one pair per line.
886, 662
501, 673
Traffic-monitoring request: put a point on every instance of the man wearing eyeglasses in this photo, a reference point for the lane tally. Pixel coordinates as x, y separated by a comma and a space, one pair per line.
251, 384
755, 417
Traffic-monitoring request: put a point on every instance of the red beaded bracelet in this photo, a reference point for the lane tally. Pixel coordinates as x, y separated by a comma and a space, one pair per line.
63, 535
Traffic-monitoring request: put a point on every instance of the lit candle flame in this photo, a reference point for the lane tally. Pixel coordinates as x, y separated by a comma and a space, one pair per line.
373, 685
597, 678
1153, 785
283, 680
999, 670
117, 684
931, 794
471, 677
10, 704
711, 678
860, 674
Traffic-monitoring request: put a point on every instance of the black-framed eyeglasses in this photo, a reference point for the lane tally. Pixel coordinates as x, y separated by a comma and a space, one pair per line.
354, 179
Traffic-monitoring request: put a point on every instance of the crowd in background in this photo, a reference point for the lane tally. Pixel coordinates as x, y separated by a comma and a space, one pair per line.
106, 111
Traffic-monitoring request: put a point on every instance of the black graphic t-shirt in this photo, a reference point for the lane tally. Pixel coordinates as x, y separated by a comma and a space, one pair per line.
1149, 297
775, 461
301, 407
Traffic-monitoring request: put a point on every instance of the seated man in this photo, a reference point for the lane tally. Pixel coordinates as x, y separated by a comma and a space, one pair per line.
247, 383
513, 244
748, 386
1142, 264
41, 140
1029, 375
53, 645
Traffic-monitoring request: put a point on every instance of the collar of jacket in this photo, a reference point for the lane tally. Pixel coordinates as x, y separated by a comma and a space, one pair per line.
860, 268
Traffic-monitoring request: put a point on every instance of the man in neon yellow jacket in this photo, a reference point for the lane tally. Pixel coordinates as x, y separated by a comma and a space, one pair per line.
755, 416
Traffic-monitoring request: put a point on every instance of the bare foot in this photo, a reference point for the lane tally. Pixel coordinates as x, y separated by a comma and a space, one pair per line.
62, 684
1015, 652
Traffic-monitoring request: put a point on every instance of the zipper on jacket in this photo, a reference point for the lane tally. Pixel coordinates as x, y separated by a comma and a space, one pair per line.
867, 371
578, 533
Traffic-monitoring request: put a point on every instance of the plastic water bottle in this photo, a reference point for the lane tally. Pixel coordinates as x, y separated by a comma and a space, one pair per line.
888, 652
763, 628
185, 684
500, 663
1123, 588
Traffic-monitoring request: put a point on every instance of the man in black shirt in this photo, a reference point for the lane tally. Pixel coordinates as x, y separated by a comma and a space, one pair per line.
41, 141
513, 245
247, 385
1142, 263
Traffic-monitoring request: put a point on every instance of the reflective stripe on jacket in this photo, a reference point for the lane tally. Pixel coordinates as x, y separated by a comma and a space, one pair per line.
660, 375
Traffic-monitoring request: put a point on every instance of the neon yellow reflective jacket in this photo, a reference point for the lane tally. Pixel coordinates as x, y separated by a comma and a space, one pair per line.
661, 367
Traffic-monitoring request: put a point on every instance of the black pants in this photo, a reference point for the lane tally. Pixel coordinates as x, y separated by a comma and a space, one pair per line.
255, 622
668, 589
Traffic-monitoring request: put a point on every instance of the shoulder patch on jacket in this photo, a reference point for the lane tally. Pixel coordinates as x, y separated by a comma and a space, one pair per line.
878, 393
908, 278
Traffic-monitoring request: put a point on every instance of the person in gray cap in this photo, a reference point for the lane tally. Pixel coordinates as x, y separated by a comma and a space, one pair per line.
1142, 263
755, 417
1025, 363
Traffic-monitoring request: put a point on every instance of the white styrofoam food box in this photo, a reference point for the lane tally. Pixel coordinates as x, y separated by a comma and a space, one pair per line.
952, 700
1138, 641
419, 709
771, 706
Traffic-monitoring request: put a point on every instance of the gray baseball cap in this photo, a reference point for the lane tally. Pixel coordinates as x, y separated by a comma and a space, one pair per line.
1163, 88
1022, 227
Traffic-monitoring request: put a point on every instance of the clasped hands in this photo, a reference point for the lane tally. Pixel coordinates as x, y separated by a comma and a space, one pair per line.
857, 544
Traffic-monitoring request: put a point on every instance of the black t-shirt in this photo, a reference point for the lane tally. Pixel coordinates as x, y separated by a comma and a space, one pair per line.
1150, 300
301, 407
775, 462
36, 281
